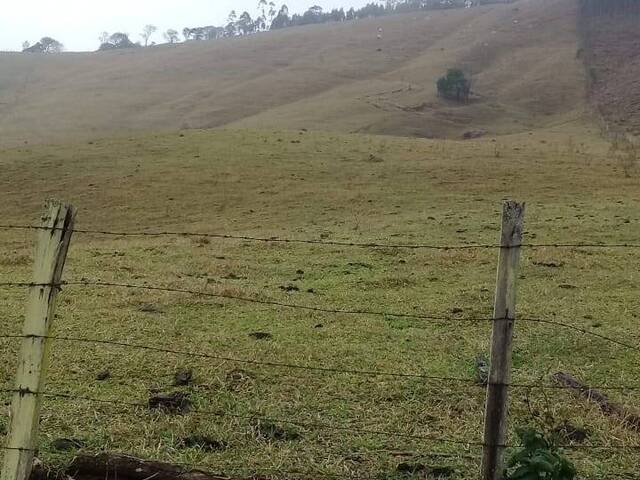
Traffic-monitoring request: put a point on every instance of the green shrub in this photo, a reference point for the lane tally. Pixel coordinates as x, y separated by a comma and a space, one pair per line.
454, 85
538, 459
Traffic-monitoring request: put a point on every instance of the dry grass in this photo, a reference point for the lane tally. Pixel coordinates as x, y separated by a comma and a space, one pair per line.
328, 77
260, 183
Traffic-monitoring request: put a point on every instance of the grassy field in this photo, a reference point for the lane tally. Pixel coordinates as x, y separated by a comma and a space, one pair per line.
333, 77
336, 187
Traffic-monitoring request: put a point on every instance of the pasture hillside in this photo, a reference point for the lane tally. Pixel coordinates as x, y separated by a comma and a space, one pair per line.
611, 35
326, 187
333, 77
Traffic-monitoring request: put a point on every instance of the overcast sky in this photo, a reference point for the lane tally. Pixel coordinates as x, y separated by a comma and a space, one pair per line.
78, 23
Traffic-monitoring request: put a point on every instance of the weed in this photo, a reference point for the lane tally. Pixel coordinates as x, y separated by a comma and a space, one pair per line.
538, 459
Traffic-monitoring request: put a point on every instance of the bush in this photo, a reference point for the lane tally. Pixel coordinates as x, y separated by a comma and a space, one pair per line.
118, 40
454, 85
538, 459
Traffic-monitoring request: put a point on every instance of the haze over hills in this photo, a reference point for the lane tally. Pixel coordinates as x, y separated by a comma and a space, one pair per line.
334, 77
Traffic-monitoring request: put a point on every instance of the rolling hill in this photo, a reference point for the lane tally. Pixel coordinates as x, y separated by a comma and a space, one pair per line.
332, 77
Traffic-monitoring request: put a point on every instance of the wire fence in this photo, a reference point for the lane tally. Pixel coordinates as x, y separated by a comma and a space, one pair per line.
433, 318
321, 242
460, 383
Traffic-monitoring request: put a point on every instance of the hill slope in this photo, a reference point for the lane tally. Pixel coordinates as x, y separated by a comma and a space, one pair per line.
612, 43
331, 77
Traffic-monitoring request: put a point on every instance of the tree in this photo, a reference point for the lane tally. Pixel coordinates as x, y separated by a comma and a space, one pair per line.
46, 45
116, 41
103, 38
171, 36
262, 7
231, 30
147, 31
272, 12
261, 22
213, 33
454, 85
246, 24
25, 45
282, 20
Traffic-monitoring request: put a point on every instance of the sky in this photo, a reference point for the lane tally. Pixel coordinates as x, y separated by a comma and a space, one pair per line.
79, 23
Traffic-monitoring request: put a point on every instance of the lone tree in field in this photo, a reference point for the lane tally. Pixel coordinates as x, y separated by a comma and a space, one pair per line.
454, 86
147, 31
45, 45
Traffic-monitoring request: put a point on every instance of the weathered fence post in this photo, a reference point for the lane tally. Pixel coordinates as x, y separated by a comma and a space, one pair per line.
51, 252
495, 417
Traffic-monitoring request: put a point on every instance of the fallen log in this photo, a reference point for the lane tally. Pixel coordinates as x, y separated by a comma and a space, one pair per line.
107, 466
629, 418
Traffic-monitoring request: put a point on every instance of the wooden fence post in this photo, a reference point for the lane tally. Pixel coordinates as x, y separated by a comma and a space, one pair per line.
51, 252
495, 417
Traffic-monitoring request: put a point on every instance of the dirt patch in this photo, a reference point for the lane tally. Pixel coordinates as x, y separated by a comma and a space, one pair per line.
177, 402
238, 380
183, 377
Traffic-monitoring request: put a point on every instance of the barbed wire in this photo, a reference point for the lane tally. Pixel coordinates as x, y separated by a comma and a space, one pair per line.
257, 416
419, 316
321, 369
340, 243
261, 417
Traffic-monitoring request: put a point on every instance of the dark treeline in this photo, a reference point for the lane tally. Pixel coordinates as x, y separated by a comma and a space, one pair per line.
592, 8
270, 18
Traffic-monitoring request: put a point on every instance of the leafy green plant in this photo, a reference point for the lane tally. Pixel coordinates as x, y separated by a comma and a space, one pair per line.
538, 459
